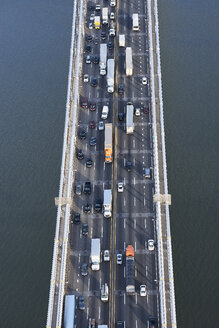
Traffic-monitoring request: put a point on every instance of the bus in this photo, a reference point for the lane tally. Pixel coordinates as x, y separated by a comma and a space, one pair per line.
135, 22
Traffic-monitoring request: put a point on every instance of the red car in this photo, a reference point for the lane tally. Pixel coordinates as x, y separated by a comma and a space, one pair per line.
92, 107
92, 124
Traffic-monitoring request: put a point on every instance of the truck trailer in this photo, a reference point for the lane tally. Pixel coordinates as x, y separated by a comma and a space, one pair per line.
128, 61
108, 146
130, 270
103, 57
69, 313
95, 254
129, 118
105, 15
107, 203
110, 75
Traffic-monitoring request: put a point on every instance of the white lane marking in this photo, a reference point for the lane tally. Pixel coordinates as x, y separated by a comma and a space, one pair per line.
145, 244
94, 165
146, 270
124, 201
102, 232
124, 143
135, 246
147, 298
86, 147
134, 161
124, 182
100, 282
136, 323
88, 284
145, 223
91, 231
135, 223
124, 245
124, 298
87, 311
124, 324
104, 166
134, 201
78, 280
134, 180
133, 143
136, 299
124, 272
135, 272
99, 312
124, 223
79, 258
124, 161
144, 201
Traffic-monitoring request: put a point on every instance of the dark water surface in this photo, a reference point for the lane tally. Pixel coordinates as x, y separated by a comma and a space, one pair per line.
34, 55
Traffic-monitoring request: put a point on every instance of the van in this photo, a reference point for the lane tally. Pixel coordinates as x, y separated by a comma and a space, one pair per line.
112, 3
122, 40
135, 22
105, 112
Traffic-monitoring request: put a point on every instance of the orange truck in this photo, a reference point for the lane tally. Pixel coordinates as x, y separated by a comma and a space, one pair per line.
130, 270
108, 145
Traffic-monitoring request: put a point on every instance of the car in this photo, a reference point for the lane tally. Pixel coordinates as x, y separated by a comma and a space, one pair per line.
92, 323
119, 258
151, 245
87, 208
137, 112
84, 102
120, 187
84, 269
143, 291
94, 82
153, 322
86, 78
98, 205
129, 166
110, 45
121, 116
78, 189
97, 7
96, 41
92, 125
120, 324
92, 107
90, 26
106, 255
87, 188
144, 80
89, 37
88, 59
85, 229
82, 134
103, 35
147, 173
93, 141
112, 16
120, 89
89, 162
77, 218
81, 303
92, 17
80, 154
96, 59
101, 126
88, 48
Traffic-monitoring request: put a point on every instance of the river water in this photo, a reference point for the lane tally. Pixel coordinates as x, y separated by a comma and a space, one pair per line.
34, 56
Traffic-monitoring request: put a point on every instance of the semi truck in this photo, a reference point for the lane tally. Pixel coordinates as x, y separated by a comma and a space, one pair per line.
103, 57
128, 61
69, 313
95, 254
108, 146
110, 75
104, 293
97, 22
107, 201
130, 270
105, 15
129, 118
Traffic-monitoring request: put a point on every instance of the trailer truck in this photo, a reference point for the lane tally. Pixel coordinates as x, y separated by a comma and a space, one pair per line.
69, 313
95, 254
105, 15
107, 201
130, 270
108, 146
128, 61
103, 57
110, 75
129, 118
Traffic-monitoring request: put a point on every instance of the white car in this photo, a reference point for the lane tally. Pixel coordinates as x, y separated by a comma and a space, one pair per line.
101, 126
92, 17
137, 112
90, 26
106, 255
143, 291
151, 245
120, 187
86, 78
119, 258
112, 16
144, 80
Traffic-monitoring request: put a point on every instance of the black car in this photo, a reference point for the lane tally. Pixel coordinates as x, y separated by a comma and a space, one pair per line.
87, 208
91, 6
96, 59
96, 41
129, 166
81, 304
110, 45
153, 322
89, 37
88, 48
85, 229
98, 205
80, 154
87, 188
103, 35
89, 162
82, 134
120, 89
84, 269
77, 219
121, 116
94, 82
120, 324
93, 141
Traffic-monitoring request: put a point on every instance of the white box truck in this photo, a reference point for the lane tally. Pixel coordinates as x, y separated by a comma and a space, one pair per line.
105, 15
129, 118
107, 201
135, 22
128, 61
121, 40
95, 254
110, 75
103, 57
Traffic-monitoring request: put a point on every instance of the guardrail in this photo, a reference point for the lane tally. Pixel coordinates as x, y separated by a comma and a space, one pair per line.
61, 183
